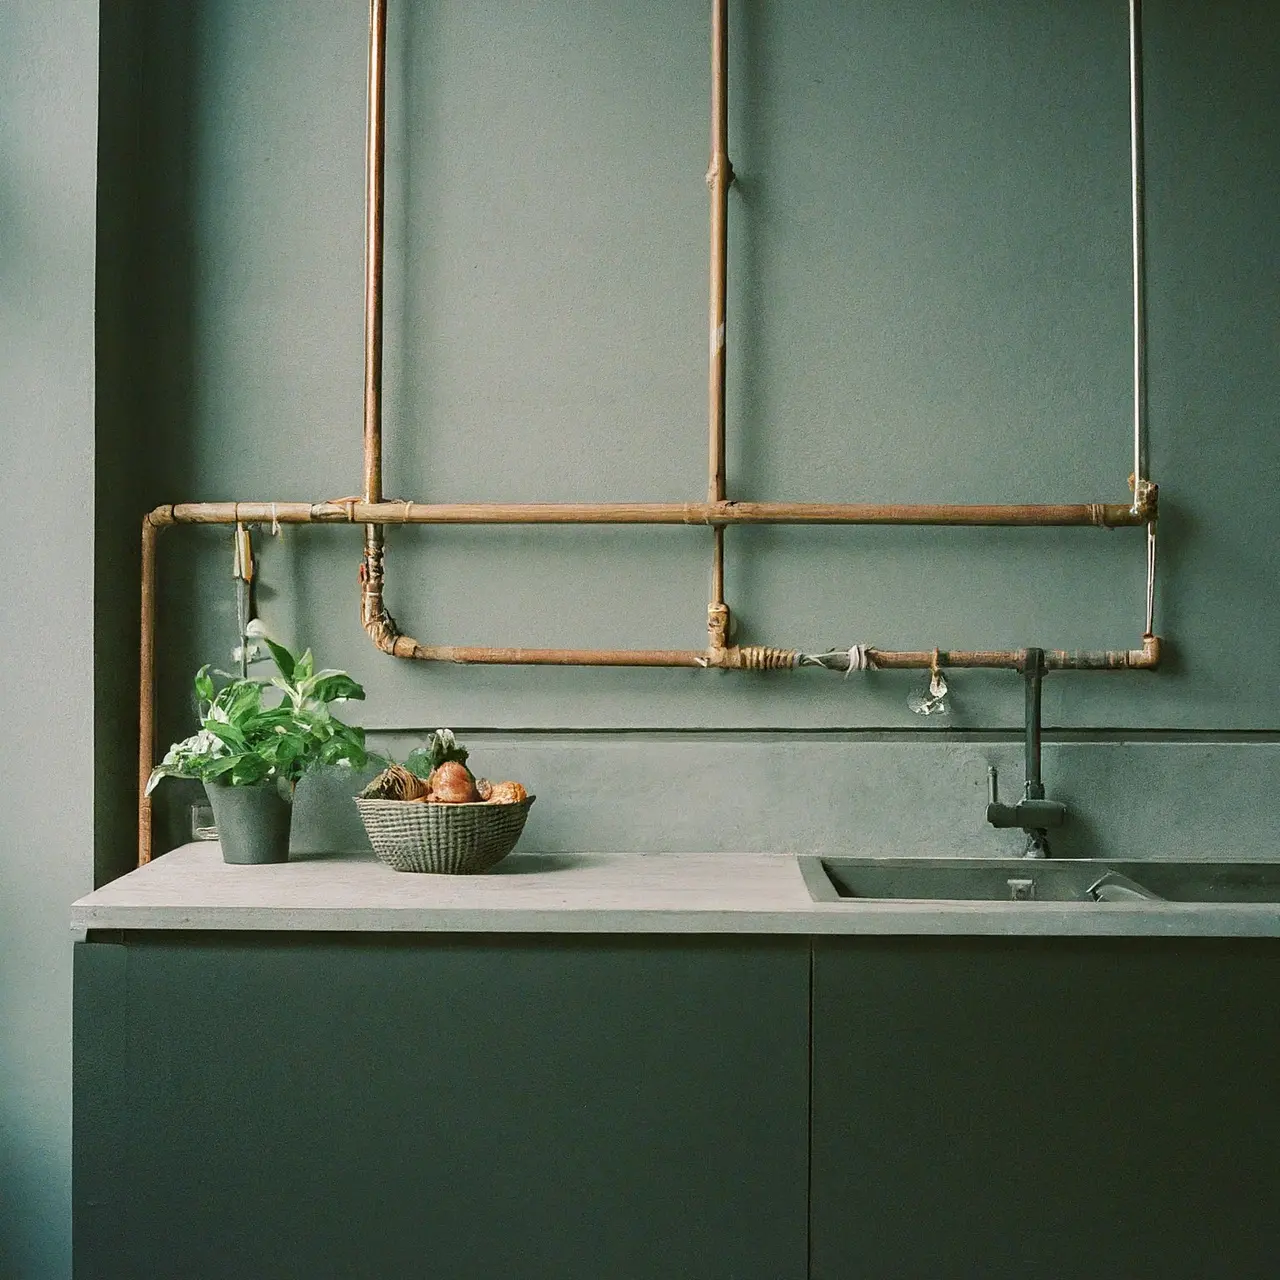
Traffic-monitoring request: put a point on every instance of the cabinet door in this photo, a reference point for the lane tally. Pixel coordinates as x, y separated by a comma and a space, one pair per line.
468, 1107
1083, 1108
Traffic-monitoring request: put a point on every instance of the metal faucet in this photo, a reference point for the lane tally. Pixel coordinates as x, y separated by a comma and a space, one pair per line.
1033, 813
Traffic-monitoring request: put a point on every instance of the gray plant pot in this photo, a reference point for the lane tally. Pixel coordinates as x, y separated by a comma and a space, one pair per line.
253, 822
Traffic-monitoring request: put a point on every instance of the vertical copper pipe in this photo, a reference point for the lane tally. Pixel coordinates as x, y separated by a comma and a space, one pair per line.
375, 184
719, 176
375, 154
1137, 192
146, 685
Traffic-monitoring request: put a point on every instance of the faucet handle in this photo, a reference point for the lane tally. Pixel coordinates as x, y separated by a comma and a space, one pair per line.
1029, 813
999, 815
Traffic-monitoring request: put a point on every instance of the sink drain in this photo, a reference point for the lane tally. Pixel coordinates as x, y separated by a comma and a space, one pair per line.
1021, 890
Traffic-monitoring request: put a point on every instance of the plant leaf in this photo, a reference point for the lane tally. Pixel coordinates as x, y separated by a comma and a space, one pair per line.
204, 684
334, 686
161, 772
283, 658
229, 734
304, 668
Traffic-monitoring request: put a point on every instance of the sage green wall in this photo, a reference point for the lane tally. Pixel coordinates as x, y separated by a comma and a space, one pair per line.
929, 299
48, 113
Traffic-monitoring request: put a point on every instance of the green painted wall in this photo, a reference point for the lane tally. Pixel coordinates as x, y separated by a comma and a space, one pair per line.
929, 300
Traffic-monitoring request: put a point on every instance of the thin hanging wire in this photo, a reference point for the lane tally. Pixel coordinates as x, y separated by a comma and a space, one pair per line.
1137, 193
1139, 248
1151, 579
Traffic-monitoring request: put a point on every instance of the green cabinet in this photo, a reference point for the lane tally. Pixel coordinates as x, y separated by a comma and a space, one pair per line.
1045, 1108
485, 1106
468, 1107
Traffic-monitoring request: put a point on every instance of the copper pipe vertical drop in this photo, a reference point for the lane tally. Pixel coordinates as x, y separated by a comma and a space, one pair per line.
719, 177
375, 183
1138, 243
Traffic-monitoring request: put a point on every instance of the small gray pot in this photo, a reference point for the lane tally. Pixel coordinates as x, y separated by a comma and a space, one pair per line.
253, 822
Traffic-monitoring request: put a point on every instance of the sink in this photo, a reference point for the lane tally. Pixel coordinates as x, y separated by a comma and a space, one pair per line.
1030, 880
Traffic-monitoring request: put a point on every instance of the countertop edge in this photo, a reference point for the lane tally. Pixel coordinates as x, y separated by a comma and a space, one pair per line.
922, 919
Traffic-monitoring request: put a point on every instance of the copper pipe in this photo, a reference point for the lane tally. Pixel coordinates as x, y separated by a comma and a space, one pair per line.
355, 511
760, 658
1138, 228
405, 647
717, 610
390, 640
375, 169
375, 186
719, 176
387, 636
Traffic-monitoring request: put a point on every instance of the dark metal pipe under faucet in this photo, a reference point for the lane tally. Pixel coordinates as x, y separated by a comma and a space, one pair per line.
1033, 813
1033, 678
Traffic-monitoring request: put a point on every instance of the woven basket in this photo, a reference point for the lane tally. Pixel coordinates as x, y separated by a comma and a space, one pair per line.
448, 839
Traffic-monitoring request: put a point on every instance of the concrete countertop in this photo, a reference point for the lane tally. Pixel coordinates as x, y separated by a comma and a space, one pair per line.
192, 888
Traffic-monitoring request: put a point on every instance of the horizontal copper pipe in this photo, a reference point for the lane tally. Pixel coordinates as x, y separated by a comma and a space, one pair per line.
386, 635
754, 657
354, 511
743, 658
405, 647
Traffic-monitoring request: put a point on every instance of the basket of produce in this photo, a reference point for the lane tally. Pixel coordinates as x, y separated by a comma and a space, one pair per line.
433, 814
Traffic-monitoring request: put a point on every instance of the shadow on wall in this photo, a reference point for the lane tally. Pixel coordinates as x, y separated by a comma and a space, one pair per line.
145, 372
168, 273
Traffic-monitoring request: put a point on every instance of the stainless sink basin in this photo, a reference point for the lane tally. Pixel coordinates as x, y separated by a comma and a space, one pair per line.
1029, 880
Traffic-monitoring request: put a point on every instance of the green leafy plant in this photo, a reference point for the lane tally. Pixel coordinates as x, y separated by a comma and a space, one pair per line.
243, 739
441, 746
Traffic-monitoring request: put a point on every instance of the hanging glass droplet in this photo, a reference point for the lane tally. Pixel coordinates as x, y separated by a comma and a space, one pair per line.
930, 699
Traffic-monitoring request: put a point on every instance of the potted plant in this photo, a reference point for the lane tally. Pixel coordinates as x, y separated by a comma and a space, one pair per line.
252, 748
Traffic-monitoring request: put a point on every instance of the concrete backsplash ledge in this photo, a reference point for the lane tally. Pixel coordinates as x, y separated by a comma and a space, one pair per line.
853, 793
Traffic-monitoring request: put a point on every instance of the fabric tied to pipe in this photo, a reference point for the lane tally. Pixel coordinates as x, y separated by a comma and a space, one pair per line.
858, 659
